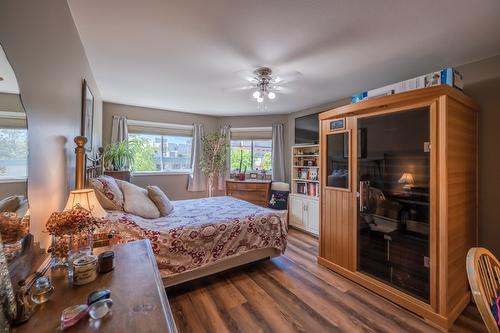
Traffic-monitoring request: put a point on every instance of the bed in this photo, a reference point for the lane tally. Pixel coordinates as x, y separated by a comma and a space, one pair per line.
205, 236
201, 236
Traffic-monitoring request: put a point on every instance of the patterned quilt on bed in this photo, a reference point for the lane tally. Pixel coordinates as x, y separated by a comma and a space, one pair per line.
203, 231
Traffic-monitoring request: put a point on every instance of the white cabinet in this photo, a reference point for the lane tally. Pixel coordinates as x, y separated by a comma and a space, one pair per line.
313, 216
304, 213
297, 212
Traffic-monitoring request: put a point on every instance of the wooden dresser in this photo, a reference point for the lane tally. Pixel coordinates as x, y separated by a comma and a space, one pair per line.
139, 299
254, 191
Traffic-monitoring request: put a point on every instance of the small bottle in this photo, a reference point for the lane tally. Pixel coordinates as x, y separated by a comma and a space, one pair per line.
106, 262
42, 291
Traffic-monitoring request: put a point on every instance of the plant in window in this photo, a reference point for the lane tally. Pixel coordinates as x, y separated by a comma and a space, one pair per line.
144, 152
118, 156
213, 160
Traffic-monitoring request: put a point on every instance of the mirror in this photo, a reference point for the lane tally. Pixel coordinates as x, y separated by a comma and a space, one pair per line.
14, 215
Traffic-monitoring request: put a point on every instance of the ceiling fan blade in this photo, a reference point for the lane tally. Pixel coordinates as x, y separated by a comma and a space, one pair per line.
287, 77
248, 75
283, 90
243, 88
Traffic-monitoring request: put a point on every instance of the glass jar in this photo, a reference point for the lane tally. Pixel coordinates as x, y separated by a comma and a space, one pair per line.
42, 290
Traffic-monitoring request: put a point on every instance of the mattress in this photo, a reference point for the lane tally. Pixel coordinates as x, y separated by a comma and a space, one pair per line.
201, 232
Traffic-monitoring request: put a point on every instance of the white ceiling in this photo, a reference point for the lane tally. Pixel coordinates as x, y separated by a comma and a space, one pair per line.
9, 82
181, 55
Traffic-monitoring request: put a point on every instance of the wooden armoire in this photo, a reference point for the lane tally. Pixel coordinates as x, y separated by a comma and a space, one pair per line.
399, 197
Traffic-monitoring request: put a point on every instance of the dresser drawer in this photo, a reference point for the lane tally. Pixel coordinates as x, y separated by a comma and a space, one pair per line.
254, 192
248, 195
242, 186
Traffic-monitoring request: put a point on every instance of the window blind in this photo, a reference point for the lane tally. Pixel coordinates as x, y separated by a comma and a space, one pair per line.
144, 127
12, 119
251, 133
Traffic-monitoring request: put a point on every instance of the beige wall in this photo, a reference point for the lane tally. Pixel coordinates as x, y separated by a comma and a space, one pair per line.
174, 185
154, 115
482, 82
45, 51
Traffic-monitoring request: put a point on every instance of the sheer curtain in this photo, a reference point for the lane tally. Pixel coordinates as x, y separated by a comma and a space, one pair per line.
278, 153
197, 180
226, 132
119, 129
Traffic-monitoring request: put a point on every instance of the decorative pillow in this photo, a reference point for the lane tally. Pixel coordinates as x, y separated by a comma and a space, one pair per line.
107, 192
138, 203
161, 200
279, 200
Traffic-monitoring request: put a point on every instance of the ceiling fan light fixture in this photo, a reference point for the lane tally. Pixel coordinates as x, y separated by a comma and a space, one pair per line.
265, 85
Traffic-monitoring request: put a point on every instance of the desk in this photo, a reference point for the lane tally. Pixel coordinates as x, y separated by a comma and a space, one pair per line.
139, 300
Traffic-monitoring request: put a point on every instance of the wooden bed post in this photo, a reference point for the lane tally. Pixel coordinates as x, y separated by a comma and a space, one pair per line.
80, 162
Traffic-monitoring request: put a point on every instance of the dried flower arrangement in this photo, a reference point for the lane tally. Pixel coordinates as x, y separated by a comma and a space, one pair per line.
69, 226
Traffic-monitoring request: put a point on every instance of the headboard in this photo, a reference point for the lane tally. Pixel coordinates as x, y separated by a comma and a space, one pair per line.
86, 167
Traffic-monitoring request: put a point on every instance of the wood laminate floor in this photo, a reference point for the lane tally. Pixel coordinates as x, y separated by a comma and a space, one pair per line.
292, 293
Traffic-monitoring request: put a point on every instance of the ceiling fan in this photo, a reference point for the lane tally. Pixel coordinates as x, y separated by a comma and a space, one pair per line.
265, 84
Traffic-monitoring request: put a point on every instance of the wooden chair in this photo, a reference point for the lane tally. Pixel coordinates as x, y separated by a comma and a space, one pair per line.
483, 271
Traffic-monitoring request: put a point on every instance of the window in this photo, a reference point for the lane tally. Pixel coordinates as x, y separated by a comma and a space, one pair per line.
13, 153
255, 155
161, 153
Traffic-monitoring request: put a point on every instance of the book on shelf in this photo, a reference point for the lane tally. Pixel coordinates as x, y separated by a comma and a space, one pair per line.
307, 174
313, 189
309, 189
301, 188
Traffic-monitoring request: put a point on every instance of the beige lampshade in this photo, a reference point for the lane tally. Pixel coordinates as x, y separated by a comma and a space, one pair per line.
87, 199
407, 180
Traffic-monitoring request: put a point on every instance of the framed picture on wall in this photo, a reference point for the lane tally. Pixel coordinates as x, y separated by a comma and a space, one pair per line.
87, 115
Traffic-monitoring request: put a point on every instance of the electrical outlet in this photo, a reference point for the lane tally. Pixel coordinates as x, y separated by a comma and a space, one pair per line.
427, 262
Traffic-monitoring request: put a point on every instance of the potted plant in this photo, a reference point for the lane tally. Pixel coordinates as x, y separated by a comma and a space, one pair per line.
213, 160
118, 158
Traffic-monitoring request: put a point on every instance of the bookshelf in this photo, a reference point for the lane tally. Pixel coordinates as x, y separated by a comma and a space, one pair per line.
305, 170
305, 190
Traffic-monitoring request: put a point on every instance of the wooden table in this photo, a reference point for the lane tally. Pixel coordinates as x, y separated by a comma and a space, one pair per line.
254, 191
139, 300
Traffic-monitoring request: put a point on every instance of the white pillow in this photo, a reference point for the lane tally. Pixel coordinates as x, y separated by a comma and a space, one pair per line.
107, 192
161, 200
137, 202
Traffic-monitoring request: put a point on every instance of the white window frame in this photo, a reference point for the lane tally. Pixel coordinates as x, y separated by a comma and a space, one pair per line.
251, 153
16, 115
159, 125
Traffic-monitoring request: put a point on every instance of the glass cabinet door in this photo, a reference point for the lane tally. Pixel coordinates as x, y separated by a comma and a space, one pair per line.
393, 170
337, 160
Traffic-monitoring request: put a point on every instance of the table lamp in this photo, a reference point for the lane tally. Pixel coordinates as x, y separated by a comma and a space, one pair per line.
407, 180
86, 199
